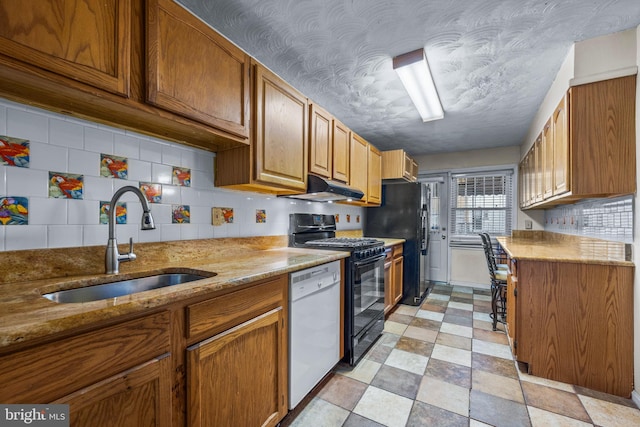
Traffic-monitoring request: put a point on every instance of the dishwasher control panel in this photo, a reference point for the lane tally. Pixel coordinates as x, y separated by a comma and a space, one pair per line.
312, 279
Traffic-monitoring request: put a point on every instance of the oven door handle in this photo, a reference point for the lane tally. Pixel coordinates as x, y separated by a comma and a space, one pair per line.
369, 261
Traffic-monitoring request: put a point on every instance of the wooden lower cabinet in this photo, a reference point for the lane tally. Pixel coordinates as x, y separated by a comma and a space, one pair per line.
233, 377
393, 277
140, 396
574, 323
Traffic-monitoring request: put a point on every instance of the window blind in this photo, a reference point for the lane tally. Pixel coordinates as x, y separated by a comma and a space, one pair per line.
481, 202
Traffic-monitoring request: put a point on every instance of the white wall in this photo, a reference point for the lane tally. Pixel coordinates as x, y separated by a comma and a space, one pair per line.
468, 159
64, 144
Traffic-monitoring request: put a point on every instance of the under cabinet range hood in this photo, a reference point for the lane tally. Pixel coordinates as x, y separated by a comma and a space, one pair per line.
324, 190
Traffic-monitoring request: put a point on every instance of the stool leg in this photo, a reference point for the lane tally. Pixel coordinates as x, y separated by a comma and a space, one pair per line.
495, 291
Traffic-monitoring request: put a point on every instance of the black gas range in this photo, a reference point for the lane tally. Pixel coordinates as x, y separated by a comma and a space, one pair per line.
364, 278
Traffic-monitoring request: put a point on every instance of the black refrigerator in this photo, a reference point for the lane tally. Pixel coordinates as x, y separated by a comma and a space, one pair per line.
404, 214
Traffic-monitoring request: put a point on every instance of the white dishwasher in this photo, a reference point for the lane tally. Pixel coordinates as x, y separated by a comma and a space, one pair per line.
314, 327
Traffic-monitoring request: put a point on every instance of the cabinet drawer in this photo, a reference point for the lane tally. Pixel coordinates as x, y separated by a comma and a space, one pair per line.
217, 314
47, 372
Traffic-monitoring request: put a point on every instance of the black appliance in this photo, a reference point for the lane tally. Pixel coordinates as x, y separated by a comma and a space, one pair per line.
404, 214
364, 278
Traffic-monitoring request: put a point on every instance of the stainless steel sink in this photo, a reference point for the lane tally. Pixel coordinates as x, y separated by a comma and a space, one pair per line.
122, 287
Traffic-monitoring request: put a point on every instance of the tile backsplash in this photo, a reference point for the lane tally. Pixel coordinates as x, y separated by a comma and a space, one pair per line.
609, 219
68, 146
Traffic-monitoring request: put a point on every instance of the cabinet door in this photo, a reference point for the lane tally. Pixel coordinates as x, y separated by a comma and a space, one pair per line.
547, 160
388, 284
512, 282
195, 72
359, 156
561, 153
140, 396
538, 172
398, 277
374, 176
281, 122
320, 141
239, 377
341, 138
85, 40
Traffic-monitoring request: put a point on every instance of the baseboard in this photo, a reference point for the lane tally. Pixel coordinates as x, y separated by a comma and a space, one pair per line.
635, 396
471, 285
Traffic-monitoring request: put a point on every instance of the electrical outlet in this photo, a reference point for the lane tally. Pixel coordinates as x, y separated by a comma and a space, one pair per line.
528, 224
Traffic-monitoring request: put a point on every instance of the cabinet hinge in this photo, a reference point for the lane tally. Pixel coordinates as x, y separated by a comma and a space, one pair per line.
515, 292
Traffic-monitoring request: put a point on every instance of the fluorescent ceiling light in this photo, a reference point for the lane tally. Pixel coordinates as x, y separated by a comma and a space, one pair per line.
413, 70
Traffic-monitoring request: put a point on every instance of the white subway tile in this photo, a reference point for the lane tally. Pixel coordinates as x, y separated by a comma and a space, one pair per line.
66, 134
15, 105
126, 146
150, 151
150, 235
84, 212
161, 213
205, 162
200, 214
190, 196
27, 125
126, 231
84, 162
3, 180
112, 129
95, 235
98, 188
201, 180
98, 140
64, 236
161, 173
170, 232
48, 157
189, 158
18, 237
171, 155
2, 238
46, 211
205, 231
26, 182
139, 170
188, 231
221, 231
171, 195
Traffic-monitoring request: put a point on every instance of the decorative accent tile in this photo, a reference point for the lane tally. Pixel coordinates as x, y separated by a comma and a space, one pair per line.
121, 212
358, 219
221, 216
181, 177
337, 218
348, 218
261, 216
153, 192
114, 166
180, 214
14, 151
14, 210
66, 185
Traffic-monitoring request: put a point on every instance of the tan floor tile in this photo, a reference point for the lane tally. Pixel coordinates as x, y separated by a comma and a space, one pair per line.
452, 328
497, 337
421, 334
546, 382
451, 354
435, 308
431, 315
495, 365
432, 298
554, 400
461, 306
413, 345
476, 423
447, 396
400, 318
394, 328
411, 362
384, 407
454, 341
496, 385
364, 371
320, 413
542, 418
610, 414
425, 323
449, 372
492, 349
342, 391
409, 310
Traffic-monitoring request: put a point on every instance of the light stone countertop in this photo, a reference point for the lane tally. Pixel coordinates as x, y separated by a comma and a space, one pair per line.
26, 315
556, 247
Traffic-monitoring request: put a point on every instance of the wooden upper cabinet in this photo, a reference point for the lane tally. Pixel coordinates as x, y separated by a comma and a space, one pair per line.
85, 40
341, 151
561, 147
547, 160
281, 136
374, 183
538, 171
602, 122
397, 164
320, 141
358, 169
194, 71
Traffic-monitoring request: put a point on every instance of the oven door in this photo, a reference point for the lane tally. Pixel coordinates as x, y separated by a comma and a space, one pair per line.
368, 292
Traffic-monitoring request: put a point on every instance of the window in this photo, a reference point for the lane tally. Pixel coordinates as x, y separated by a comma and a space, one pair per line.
481, 202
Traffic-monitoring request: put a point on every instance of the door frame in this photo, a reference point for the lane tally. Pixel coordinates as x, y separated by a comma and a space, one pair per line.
444, 179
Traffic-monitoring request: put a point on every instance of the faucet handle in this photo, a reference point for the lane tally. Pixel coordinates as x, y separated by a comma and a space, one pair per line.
131, 256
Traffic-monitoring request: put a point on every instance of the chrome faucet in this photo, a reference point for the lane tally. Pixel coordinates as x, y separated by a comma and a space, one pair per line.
113, 258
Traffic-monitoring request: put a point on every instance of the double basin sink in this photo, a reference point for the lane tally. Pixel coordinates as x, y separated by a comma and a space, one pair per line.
118, 288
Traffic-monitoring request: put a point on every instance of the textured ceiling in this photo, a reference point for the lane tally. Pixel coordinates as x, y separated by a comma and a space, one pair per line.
492, 60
